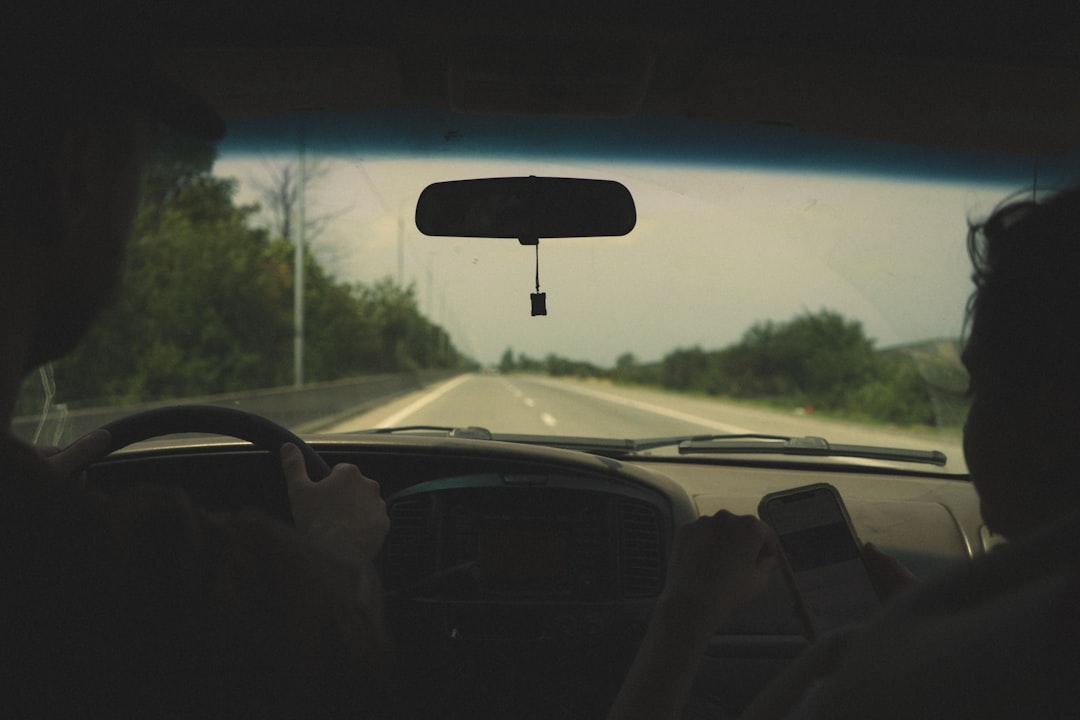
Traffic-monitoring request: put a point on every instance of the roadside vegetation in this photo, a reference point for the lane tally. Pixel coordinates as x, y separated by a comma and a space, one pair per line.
202, 279
814, 362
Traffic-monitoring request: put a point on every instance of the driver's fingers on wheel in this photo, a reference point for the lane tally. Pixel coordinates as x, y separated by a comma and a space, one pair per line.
292, 463
72, 460
365, 485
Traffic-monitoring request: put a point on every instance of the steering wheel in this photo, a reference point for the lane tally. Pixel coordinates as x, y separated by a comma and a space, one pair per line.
258, 431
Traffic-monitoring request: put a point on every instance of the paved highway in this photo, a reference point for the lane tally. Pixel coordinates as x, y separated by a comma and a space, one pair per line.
547, 406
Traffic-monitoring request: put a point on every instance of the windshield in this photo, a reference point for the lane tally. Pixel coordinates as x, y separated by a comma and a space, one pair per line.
775, 283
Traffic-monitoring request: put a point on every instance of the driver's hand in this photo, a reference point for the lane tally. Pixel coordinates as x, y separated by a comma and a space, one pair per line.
70, 463
343, 512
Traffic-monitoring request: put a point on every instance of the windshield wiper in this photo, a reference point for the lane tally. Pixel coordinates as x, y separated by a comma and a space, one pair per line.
754, 443
650, 443
741, 444
473, 431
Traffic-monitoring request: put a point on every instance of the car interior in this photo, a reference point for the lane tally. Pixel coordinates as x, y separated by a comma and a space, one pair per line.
520, 570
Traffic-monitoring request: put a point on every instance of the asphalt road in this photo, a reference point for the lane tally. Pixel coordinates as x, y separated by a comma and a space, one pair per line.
548, 406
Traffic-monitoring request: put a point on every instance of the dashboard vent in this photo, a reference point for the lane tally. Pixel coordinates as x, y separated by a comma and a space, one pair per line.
592, 551
641, 561
409, 551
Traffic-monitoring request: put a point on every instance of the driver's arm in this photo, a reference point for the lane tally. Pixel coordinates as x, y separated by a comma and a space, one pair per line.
344, 518
205, 588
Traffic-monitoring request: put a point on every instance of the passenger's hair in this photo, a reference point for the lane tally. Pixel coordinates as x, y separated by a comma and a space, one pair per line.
1023, 319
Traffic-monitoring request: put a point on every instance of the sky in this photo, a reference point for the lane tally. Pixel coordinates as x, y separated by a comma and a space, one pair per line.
718, 246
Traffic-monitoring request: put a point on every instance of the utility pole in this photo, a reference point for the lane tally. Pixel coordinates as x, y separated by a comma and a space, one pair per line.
445, 336
400, 248
430, 296
298, 271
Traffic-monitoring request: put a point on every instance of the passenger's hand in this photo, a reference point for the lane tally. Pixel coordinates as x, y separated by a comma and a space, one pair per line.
70, 463
888, 574
343, 512
718, 564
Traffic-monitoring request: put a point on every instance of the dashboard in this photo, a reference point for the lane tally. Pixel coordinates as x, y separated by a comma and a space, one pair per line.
536, 535
523, 576
537, 556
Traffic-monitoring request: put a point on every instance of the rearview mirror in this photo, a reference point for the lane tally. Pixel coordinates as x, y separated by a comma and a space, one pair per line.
526, 208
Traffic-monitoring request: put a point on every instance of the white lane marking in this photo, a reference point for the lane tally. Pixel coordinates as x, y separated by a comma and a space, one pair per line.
511, 388
548, 419
395, 419
529, 402
659, 410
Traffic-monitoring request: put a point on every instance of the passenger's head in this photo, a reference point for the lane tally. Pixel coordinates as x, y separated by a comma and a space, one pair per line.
82, 101
1022, 440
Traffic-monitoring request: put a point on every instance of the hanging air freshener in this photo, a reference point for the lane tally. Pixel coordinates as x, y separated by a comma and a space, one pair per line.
539, 299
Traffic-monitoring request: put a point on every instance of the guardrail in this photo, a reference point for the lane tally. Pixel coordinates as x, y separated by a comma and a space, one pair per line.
306, 409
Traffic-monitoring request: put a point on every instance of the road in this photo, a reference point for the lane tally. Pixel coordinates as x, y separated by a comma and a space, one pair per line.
547, 406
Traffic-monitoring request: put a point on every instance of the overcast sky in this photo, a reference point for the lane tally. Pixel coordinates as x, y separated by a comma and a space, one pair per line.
715, 249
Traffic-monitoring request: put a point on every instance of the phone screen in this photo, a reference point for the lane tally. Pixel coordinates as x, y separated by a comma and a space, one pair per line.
826, 565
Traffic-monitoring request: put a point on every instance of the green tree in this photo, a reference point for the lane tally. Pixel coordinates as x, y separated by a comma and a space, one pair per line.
897, 394
685, 369
340, 334
205, 303
506, 363
199, 309
558, 366
820, 359
815, 358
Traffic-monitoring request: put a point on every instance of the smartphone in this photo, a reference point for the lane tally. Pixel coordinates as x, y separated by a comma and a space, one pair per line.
822, 557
